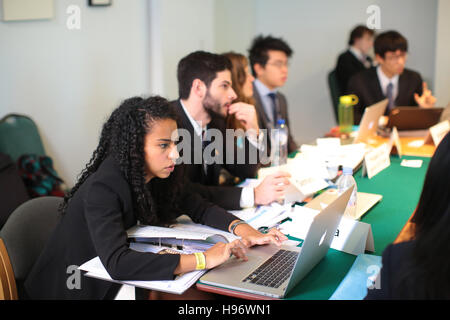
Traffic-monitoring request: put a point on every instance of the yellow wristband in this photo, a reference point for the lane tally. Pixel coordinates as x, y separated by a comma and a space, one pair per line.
201, 261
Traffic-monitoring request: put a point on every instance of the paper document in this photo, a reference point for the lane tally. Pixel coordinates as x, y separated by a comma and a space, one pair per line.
411, 163
264, 216
180, 231
95, 269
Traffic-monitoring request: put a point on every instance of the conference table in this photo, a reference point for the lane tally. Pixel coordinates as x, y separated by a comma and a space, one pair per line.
400, 187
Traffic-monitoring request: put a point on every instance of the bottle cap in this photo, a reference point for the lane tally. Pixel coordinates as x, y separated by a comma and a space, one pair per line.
281, 121
347, 170
350, 99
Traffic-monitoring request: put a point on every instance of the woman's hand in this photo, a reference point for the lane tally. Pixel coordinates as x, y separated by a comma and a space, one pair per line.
221, 252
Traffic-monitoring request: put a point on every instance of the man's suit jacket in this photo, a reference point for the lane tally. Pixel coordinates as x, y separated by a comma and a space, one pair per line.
207, 185
264, 120
95, 224
366, 86
348, 65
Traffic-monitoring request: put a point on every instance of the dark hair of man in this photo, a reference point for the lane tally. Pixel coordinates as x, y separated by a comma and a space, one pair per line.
358, 32
261, 45
430, 265
199, 65
123, 137
389, 41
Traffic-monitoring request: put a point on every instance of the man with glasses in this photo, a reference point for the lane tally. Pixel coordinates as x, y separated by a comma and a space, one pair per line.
269, 63
390, 79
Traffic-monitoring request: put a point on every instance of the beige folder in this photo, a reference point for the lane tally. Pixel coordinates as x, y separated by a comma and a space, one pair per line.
364, 202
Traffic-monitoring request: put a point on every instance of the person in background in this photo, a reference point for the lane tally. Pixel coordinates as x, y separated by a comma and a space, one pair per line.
446, 113
356, 58
269, 64
206, 98
390, 79
131, 178
419, 268
242, 84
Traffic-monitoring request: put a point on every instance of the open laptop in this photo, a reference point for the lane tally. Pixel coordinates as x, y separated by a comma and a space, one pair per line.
273, 271
369, 121
414, 118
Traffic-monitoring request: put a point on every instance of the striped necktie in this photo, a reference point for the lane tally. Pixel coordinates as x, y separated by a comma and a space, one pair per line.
205, 143
390, 96
275, 112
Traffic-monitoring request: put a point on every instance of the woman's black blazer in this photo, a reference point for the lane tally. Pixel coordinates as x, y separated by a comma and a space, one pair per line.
95, 224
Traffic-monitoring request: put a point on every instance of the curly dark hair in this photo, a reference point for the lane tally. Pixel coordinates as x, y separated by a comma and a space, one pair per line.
122, 137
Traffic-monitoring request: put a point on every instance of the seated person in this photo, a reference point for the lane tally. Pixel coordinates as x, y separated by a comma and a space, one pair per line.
356, 58
206, 95
446, 113
390, 79
269, 63
131, 178
242, 84
420, 268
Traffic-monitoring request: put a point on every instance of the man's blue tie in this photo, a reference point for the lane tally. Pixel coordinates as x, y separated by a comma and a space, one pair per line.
389, 95
273, 97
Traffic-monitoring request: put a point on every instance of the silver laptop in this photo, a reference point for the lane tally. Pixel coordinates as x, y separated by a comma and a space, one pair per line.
369, 121
273, 271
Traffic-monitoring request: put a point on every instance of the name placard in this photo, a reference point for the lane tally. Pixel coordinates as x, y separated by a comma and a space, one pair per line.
376, 160
438, 132
352, 236
394, 142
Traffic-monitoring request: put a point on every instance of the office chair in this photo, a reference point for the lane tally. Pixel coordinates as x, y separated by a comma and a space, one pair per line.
335, 92
22, 239
19, 135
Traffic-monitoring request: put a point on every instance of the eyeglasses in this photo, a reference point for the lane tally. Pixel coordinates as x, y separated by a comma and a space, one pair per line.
279, 64
392, 57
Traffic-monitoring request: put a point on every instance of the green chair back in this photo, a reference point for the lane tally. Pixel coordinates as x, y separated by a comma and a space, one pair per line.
19, 135
335, 92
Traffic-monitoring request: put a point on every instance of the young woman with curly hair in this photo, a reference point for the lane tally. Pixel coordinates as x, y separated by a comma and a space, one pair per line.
130, 178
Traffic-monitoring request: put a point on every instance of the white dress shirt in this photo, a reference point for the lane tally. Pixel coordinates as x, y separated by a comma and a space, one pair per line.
265, 99
360, 56
384, 82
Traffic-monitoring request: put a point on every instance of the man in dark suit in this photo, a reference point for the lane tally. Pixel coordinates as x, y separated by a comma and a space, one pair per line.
391, 80
356, 58
269, 63
206, 96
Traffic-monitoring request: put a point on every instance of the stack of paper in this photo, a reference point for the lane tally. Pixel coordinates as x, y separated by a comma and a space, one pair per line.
329, 151
264, 216
95, 269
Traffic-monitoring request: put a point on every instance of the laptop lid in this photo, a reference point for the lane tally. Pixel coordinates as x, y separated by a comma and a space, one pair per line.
319, 237
414, 118
369, 122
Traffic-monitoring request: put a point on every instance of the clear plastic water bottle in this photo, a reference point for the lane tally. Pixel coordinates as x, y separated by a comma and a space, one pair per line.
280, 143
345, 182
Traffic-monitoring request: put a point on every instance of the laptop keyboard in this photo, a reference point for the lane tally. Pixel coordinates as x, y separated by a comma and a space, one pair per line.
275, 270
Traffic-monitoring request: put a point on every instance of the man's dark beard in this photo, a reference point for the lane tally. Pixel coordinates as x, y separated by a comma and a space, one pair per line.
212, 107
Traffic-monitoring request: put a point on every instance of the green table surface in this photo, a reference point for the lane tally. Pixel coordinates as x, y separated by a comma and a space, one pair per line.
400, 188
